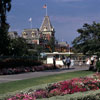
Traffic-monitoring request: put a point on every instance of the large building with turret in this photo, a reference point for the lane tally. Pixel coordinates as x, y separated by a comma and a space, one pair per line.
39, 36
47, 29
42, 36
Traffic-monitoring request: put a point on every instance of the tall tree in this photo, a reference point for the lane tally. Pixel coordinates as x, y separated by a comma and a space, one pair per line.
88, 41
5, 5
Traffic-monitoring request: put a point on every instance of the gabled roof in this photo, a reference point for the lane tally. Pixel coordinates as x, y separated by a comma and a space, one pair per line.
63, 44
29, 32
46, 25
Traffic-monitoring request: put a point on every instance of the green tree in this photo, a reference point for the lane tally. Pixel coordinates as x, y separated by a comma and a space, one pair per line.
88, 41
18, 47
5, 5
4, 40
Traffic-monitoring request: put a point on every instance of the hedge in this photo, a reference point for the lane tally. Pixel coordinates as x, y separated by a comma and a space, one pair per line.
11, 62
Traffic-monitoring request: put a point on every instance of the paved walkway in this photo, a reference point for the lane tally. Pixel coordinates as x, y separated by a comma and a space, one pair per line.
8, 78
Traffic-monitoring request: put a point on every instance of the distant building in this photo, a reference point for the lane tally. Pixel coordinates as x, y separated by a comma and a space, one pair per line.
62, 47
32, 36
39, 36
13, 34
47, 29
42, 36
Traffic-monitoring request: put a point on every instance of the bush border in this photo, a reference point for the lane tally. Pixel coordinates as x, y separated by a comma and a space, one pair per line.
75, 96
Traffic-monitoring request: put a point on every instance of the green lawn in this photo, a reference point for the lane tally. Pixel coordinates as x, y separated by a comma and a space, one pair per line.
22, 84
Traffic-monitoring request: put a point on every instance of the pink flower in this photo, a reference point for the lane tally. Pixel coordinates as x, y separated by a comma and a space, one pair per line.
62, 88
10, 99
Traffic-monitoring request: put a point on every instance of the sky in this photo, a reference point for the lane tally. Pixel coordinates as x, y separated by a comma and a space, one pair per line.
66, 16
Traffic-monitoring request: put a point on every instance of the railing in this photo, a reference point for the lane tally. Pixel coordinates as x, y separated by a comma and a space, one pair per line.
18, 57
79, 62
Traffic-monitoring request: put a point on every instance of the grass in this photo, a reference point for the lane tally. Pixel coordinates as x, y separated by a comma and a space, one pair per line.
22, 84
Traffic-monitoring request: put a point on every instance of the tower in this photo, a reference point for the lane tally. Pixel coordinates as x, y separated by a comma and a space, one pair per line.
47, 29
48, 34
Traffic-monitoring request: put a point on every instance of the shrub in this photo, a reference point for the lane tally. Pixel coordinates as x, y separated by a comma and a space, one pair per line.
48, 66
18, 65
10, 62
98, 66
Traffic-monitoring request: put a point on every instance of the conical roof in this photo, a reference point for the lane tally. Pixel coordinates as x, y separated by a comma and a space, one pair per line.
46, 24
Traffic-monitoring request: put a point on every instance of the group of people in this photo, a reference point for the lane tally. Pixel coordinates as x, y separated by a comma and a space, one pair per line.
68, 62
91, 62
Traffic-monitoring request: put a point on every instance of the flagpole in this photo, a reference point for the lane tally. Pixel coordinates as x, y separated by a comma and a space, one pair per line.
46, 11
30, 20
31, 24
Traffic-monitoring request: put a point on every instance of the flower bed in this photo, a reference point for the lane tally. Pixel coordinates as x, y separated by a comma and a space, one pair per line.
62, 88
21, 65
24, 69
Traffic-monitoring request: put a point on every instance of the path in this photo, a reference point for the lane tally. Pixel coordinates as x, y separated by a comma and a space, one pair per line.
8, 78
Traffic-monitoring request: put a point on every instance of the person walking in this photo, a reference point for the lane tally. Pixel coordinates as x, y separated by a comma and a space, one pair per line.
64, 62
68, 61
54, 62
72, 63
88, 61
92, 60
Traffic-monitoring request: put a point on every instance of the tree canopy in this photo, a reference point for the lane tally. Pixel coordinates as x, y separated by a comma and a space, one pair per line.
5, 5
18, 47
88, 41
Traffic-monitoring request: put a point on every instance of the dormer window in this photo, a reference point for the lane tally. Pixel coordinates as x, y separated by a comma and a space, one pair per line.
52, 29
24, 34
33, 34
45, 28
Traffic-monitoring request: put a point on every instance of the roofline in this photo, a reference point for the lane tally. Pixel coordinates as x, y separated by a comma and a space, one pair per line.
31, 29
43, 21
59, 53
